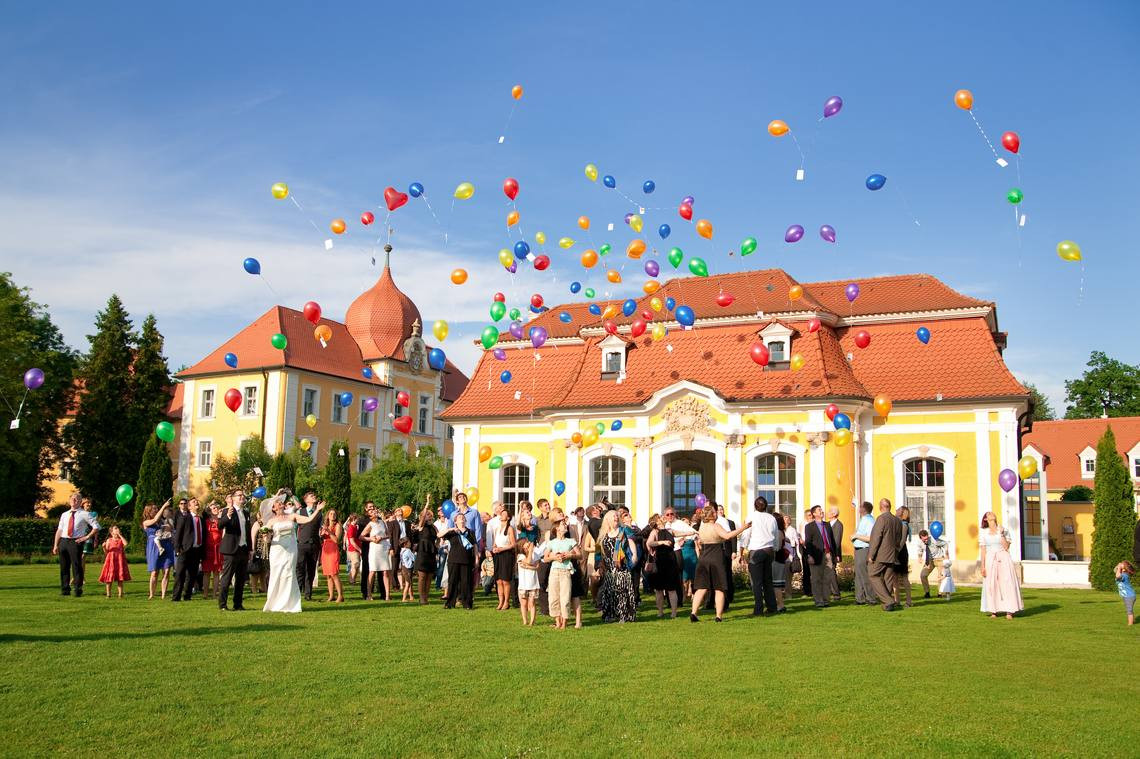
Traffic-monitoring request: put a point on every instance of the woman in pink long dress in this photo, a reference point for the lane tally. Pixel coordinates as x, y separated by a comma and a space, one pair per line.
1001, 592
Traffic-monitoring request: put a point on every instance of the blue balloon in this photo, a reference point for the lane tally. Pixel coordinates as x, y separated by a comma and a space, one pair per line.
595, 309
559, 487
841, 421
670, 303
685, 316
936, 529
231, 360
629, 307
648, 187
521, 249
565, 317
539, 310
616, 425
923, 335
575, 287
876, 182
252, 265
505, 377
367, 372
415, 189
437, 359
664, 231
448, 508
609, 181
258, 492
345, 399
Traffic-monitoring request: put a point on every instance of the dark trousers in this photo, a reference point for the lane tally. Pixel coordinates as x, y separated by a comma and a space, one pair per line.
235, 569
307, 554
424, 579
760, 572
820, 586
543, 598
70, 566
186, 566
364, 568
460, 585
440, 565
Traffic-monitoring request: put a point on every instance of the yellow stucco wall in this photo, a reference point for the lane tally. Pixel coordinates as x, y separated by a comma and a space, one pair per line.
1082, 515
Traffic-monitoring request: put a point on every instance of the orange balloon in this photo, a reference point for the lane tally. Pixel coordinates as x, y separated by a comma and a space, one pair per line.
337, 226
613, 275
964, 99
484, 453
635, 249
516, 91
512, 218
609, 312
589, 258
882, 405
777, 128
651, 286
323, 332
704, 228
795, 292
576, 438
459, 276
584, 222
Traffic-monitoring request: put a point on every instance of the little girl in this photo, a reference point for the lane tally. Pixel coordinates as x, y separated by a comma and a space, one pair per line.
1124, 572
946, 587
407, 561
115, 569
528, 580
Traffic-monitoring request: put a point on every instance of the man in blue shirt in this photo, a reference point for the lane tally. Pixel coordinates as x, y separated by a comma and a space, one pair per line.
861, 540
474, 519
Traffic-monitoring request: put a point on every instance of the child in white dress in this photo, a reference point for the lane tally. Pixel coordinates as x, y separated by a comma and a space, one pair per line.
946, 587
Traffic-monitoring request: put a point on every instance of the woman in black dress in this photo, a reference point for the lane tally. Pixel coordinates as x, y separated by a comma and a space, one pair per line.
665, 579
711, 575
426, 541
460, 564
617, 599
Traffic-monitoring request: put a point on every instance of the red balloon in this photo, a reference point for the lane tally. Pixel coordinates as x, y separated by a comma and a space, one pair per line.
647, 315
233, 399
1011, 142
862, 338
831, 410
312, 311
367, 218
686, 211
759, 353
403, 399
724, 300
813, 325
510, 187
403, 424
393, 198
536, 300
611, 326
500, 297
637, 328
541, 263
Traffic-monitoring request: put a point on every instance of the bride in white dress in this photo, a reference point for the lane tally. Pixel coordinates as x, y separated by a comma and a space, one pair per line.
283, 593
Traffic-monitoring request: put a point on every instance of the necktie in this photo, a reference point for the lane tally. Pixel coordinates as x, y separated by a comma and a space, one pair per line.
71, 525
826, 542
197, 532
241, 528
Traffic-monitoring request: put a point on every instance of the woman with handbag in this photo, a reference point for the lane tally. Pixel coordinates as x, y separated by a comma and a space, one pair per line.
662, 570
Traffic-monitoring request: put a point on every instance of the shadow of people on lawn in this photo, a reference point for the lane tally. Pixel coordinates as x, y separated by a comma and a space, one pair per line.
1030, 611
193, 632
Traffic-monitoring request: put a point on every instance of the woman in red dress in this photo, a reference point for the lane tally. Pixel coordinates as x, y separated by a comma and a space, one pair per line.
212, 552
330, 555
115, 569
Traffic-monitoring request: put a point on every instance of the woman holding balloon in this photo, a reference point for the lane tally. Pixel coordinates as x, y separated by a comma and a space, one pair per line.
426, 540
1001, 593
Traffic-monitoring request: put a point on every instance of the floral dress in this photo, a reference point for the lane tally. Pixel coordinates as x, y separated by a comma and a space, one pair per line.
617, 600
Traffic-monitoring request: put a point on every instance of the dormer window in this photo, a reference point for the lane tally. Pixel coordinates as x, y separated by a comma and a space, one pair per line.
614, 351
613, 362
778, 340
776, 351
1088, 463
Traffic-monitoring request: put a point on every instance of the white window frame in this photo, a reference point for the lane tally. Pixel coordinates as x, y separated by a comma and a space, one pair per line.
316, 410
610, 489
613, 345
198, 453
367, 463
1088, 456
337, 410
777, 333
245, 388
949, 460
513, 495
510, 458
213, 390
798, 453
423, 415
776, 488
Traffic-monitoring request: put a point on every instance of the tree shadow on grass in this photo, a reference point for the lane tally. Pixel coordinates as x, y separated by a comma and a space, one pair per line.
1030, 611
192, 632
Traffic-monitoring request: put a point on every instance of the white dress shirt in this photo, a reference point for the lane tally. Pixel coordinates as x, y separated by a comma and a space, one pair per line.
764, 534
83, 524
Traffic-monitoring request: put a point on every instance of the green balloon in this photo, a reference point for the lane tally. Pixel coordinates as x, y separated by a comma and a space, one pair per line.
498, 309
698, 267
515, 313
495, 462
279, 342
165, 431
1014, 196
601, 428
124, 494
490, 336
604, 249
588, 292
748, 246
676, 255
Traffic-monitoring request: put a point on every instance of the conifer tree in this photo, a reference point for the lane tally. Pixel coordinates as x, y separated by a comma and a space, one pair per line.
1114, 517
155, 482
337, 491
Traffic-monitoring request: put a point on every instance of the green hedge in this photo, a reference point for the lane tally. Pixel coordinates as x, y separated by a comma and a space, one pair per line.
29, 536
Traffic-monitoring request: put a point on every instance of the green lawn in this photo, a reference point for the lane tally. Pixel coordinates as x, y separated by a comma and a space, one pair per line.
137, 678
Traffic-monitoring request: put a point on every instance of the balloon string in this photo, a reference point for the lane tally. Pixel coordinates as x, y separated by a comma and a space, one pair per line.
983, 132
20, 411
9, 405
432, 210
803, 158
906, 205
507, 126
266, 281
305, 214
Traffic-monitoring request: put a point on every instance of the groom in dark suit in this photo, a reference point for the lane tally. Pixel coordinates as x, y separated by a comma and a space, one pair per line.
308, 545
189, 536
236, 545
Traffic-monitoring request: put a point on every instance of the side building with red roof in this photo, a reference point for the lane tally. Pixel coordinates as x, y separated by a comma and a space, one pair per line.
639, 410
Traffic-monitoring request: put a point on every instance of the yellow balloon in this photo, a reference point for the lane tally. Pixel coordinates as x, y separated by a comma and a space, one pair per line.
311, 420
590, 436
635, 223
464, 191
592, 172
306, 445
658, 330
656, 304
439, 329
280, 190
512, 218
565, 243
540, 238
1027, 467
506, 258
1069, 250
635, 249
842, 436
472, 495
797, 362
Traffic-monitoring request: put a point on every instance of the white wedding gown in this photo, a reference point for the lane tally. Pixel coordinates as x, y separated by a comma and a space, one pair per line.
284, 594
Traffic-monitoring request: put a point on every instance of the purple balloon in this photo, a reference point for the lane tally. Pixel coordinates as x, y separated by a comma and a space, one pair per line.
827, 232
514, 267
652, 268
538, 336
701, 500
852, 292
33, 378
688, 200
794, 233
499, 354
516, 329
371, 404
1007, 478
833, 105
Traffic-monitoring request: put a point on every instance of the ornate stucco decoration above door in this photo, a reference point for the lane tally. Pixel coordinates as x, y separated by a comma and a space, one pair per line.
687, 418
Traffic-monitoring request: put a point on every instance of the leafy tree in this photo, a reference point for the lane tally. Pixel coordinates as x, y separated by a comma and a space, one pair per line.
27, 454
150, 386
306, 475
1114, 517
252, 454
1079, 493
337, 491
1109, 387
281, 473
397, 479
224, 477
155, 482
1042, 408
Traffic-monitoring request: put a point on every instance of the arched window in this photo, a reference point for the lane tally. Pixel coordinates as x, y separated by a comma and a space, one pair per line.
684, 485
608, 480
516, 485
776, 481
924, 490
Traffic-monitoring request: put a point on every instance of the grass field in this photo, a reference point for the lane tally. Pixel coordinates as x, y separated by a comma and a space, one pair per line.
137, 678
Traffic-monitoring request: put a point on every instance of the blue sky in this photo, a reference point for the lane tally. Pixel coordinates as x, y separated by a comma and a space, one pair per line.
138, 146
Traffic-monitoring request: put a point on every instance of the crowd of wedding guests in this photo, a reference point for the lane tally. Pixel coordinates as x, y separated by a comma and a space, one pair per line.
543, 559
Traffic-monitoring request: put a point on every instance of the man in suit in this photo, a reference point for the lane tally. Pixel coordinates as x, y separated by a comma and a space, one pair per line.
819, 548
393, 526
805, 573
883, 553
837, 531
308, 545
189, 539
237, 541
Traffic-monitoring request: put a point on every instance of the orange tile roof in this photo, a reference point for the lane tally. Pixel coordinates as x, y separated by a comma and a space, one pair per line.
174, 409
891, 295
381, 318
1064, 439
